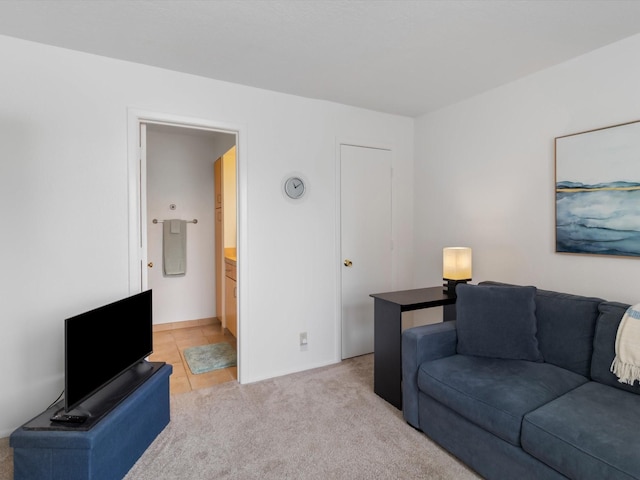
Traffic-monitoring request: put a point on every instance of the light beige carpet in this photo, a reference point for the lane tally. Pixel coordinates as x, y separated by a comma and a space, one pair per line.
321, 424
6, 460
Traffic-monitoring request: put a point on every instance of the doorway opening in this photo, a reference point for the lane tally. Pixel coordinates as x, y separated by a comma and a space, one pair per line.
177, 186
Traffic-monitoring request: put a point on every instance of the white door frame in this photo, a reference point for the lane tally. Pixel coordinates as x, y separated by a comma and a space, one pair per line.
137, 203
338, 240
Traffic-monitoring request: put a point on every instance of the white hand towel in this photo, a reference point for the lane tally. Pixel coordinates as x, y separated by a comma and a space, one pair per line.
174, 247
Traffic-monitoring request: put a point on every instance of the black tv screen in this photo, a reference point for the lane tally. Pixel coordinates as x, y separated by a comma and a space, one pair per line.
102, 344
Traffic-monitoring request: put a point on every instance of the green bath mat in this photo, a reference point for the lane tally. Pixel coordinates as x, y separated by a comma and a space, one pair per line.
205, 358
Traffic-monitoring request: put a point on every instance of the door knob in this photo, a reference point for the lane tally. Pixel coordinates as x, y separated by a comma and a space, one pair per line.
150, 264
348, 263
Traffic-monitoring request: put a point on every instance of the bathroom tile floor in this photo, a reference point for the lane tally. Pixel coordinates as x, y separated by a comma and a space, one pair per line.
168, 346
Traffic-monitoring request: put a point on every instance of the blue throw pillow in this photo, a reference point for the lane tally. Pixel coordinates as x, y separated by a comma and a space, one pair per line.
497, 322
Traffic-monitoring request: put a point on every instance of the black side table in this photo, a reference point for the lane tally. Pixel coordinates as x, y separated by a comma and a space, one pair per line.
387, 352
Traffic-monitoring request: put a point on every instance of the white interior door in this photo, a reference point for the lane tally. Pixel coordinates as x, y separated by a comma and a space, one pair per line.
144, 254
365, 219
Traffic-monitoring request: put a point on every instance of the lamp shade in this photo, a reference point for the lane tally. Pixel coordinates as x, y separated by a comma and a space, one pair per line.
456, 263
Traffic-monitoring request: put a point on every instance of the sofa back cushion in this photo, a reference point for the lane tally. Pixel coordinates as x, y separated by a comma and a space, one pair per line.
497, 322
566, 325
565, 328
604, 346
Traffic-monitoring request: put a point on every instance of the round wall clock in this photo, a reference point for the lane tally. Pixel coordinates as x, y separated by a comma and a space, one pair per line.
294, 187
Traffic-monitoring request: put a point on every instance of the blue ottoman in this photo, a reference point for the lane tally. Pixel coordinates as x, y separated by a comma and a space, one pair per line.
106, 451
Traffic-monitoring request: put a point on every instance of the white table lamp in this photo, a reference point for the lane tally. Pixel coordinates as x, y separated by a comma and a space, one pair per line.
456, 267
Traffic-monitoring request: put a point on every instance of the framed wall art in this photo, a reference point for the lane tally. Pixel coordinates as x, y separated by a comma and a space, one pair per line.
598, 191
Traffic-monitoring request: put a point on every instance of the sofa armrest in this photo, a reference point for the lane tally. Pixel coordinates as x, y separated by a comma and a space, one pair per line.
419, 344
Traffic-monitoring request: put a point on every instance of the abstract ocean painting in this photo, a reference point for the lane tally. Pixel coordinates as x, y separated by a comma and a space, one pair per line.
599, 219
598, 191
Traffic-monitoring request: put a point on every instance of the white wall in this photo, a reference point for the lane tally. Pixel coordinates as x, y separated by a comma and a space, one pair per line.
64, 192
485, 175
180, 172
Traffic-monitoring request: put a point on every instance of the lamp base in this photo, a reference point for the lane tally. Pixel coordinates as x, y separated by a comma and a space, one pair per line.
450, 287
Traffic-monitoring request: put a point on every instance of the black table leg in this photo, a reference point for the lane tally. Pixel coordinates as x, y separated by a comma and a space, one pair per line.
449, 312
387, 353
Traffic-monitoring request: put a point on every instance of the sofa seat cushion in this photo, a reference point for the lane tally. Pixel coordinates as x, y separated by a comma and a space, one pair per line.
495, 394
591, 432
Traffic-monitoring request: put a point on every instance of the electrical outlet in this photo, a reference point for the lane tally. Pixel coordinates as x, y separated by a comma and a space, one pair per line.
303, 341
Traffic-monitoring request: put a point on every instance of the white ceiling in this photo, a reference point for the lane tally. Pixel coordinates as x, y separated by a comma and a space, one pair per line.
399, 56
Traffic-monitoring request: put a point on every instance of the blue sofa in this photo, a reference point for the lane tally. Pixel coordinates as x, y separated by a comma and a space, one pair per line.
534, 401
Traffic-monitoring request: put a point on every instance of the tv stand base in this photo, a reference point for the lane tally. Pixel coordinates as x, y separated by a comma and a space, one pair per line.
105, 451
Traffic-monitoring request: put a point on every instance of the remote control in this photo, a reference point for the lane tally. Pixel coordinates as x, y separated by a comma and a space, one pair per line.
66, 418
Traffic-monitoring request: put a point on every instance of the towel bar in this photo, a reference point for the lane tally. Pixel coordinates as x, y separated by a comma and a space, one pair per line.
155, 220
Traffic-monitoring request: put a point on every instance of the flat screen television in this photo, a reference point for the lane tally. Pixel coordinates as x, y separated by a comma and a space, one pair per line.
104, 343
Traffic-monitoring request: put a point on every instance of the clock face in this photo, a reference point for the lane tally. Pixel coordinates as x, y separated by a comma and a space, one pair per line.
294, 187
